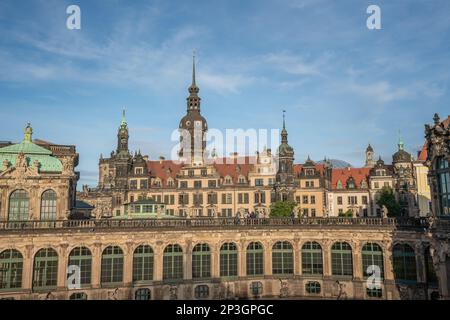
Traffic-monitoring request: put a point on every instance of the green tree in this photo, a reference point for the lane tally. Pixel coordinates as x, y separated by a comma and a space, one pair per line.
387, 198
281, 209
347, 214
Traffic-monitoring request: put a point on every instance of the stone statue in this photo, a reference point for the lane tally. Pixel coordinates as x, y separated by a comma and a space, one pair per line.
384, 211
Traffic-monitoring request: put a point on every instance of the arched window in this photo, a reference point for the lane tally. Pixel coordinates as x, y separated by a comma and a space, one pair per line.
404, 263
312, 261
339, 185
112, 265
372, 255
201, 292
313, 287
78, 296
282, 258
173, 262
143, 264
45, 273
363, 184
11, 266
82, 258
48, 205
201, 261
143, 294
19, 204
255, 259
228, 260
341, 259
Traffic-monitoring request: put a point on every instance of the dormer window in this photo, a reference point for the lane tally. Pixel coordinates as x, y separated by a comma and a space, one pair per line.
363, 184
241, 180
138, 170
228, 180
170, 183
339, 185
351, 183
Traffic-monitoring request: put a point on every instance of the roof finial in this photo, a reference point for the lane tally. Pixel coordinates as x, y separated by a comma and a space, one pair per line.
401, 145
284, 121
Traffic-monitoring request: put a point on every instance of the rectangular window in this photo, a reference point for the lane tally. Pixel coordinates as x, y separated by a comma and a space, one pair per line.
313, 199
197, 184
376, 185
212, 198
352, 200
133, 184
313, 212
339, 200
198, 199
204, 172
364, 200
259, 182
183, 184
143, 184
270, 181
212, 183
305, 199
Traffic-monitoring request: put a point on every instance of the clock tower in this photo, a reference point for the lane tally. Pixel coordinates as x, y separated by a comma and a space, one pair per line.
193, 128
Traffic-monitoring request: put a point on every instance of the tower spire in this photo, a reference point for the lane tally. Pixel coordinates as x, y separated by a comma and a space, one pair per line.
123, 122
284, 131
193, 69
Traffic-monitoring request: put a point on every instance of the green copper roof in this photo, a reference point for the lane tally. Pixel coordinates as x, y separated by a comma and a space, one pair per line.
33, 152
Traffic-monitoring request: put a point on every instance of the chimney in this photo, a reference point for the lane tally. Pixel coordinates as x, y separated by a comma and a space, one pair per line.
161, 159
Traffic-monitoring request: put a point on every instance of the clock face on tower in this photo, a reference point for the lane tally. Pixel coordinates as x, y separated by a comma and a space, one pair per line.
188, 123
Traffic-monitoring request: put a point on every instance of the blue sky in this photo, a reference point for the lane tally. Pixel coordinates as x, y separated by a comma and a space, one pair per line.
341, 84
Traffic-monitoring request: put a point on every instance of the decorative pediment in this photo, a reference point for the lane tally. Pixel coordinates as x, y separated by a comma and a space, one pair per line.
21, 169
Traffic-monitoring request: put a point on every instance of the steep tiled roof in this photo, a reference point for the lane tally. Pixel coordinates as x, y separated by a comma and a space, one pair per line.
158, 168
319, 167
358, 174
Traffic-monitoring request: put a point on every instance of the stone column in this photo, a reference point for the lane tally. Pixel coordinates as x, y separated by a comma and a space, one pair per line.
62, 266
326, 253
215, 261
389, 278
187, 260
128, 264
28, 266
267, 258
158, 262
242, 259
96, 265
358, 281
296, 256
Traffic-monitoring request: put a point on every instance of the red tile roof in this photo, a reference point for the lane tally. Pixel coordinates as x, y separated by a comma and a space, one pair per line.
158, 168
358, 174
319, 167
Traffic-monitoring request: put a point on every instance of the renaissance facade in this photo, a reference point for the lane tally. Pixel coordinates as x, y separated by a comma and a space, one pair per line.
166, 230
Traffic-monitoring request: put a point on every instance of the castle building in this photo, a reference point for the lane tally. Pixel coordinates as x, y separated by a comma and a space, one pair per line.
37, 180
180, 230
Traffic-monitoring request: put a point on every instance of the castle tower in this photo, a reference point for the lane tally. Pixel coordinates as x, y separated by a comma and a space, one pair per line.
370, 157
285, 175
193, 127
